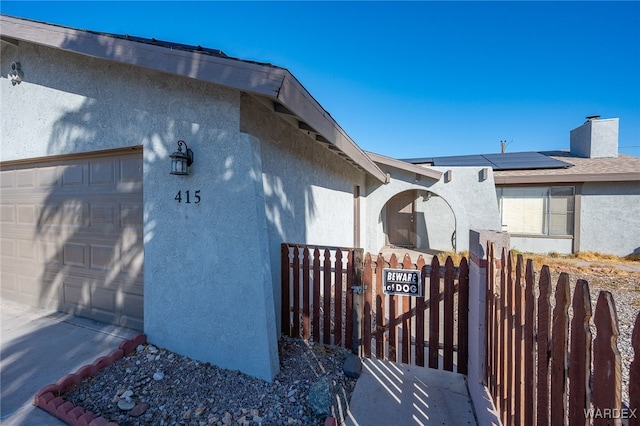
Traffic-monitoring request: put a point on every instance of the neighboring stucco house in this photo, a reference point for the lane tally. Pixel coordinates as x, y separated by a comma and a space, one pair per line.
93, 223
584, 199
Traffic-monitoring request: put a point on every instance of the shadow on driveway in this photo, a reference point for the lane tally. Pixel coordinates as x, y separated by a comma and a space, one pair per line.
38, 347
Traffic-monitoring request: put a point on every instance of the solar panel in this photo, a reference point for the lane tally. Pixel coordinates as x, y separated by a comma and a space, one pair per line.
504, 161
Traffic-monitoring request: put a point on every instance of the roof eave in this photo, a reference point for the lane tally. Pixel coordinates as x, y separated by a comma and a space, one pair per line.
399, 164
590, 177
274, 83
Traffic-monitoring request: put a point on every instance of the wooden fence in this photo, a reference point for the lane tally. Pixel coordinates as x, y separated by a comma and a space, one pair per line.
535, 373
318, 304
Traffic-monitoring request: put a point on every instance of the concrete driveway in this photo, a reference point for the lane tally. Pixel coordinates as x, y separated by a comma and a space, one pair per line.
38, 347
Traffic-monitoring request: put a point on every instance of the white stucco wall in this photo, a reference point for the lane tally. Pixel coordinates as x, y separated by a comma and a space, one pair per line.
472, 200
308, 190
207, 272
610, 218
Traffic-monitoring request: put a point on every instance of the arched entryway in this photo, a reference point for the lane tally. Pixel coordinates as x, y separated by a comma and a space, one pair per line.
419, 219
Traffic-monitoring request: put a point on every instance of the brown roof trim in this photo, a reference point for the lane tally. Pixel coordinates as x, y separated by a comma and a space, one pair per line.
403, 165
565, 178
272, 82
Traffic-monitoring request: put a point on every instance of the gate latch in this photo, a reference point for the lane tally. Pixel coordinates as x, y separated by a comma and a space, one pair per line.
359, 289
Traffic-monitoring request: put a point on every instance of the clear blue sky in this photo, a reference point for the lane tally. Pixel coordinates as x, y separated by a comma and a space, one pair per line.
416, 79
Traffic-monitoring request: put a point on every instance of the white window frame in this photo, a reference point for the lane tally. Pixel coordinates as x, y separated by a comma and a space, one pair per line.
545, 199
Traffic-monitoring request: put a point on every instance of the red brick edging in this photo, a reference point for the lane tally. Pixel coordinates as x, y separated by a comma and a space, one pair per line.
49, 398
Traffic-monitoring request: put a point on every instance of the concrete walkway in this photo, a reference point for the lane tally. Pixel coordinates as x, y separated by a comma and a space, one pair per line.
38, 347
388, 393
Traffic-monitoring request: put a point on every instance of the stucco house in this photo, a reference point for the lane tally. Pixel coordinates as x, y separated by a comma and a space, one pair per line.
93, 223
584, 199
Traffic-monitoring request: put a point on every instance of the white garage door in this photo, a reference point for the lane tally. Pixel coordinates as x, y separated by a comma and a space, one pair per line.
71, 233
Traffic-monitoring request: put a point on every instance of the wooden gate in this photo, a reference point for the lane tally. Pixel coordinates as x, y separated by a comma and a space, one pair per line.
322, 301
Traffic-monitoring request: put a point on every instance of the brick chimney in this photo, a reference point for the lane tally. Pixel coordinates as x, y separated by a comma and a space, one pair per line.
596, 138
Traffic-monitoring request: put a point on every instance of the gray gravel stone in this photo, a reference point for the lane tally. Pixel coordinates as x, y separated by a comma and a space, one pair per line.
213, 395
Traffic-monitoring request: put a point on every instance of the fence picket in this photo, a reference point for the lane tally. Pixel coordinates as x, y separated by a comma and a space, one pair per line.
296, 292
447, 359
337, 310
328, 296
508, 389
502, 341
285, 269
518, 359
380, 308
348, 318
434, 312
306, 332
543, 345
393, 324
529, 354
580, 361
463, 317
406, 318
316, 296
366, 319
607, 381
420, 307
559, 348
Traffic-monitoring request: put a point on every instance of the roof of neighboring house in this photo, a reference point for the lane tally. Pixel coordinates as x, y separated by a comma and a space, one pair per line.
274, 86
544, 167
623, 168
505, 161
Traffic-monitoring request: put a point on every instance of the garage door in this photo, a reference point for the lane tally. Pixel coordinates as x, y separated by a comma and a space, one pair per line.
71, 234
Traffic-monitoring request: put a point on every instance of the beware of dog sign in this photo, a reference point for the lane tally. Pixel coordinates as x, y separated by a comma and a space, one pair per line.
402, 282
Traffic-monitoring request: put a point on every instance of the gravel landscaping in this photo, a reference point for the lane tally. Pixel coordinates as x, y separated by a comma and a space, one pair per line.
156, 387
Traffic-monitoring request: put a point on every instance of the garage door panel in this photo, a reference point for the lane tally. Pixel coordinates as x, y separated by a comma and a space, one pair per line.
7, 179
131, 170
72, 235
25, 179
27, 250
9, 283
74, 255
27, 213
73, 175
103, 299
103, 258
8, 247
131, 215
48, 177
7, 213
102, 172
103, 215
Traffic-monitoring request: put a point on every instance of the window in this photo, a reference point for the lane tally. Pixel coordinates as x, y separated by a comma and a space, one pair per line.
537, 210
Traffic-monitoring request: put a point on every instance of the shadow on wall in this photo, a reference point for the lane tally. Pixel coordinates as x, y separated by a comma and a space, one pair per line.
91, 224
78, 213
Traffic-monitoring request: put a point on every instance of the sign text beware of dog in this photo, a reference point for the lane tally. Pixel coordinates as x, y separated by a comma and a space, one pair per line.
403, 282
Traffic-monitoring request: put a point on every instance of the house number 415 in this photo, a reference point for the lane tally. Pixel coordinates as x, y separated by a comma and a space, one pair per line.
187, 196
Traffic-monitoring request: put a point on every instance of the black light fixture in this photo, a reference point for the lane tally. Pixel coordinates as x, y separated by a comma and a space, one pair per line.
181, 160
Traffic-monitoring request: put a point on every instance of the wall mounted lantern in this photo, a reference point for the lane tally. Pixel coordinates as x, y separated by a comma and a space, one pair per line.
16, 74
181, 160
